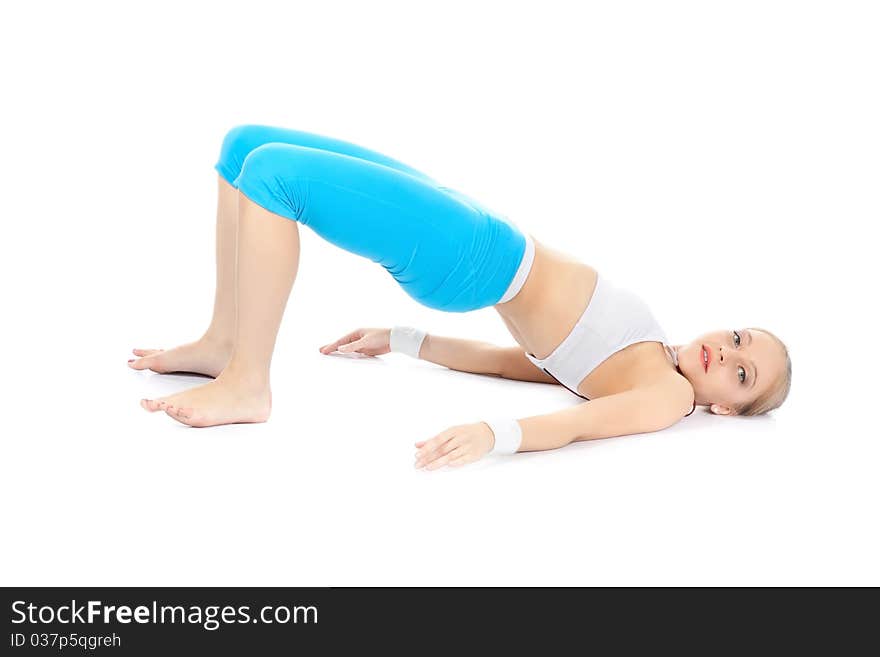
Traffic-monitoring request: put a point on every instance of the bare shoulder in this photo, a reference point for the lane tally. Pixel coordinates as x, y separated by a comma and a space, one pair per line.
675, 392
647, 407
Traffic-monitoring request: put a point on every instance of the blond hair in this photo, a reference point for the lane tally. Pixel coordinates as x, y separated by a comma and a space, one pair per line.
777, 393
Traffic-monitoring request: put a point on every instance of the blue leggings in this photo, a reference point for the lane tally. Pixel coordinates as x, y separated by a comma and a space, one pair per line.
444, 249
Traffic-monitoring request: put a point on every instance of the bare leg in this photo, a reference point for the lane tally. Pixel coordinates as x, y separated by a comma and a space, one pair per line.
268, 260
210, 353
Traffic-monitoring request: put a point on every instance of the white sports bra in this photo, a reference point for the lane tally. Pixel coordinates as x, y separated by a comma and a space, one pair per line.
615, 318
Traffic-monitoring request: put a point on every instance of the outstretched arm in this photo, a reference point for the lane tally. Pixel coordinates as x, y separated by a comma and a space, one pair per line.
460, 354
481, 358
641, 410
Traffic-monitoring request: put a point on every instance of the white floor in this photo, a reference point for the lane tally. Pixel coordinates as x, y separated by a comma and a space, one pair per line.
739, 203
100, 492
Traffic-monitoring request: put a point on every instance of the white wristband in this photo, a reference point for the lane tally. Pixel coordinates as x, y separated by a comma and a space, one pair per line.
407, 340
508, 435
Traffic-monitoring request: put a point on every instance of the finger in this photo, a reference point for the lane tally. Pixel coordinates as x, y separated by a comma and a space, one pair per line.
342, 345
445, 448
351, 346
346, 338
419, 443
327, 348
430, 445
458, 461
442, 460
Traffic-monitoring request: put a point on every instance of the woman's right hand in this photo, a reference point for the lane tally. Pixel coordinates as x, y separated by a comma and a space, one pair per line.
366, 341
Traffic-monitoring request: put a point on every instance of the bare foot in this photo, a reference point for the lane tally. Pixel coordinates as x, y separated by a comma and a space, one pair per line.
204, 356
218, 402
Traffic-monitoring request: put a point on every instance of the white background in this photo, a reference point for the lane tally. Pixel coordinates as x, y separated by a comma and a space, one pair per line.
720, 159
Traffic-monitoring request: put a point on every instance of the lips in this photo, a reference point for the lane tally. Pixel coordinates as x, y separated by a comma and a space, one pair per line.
708, 360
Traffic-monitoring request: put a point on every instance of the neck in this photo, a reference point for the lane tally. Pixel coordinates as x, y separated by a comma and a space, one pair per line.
698, 401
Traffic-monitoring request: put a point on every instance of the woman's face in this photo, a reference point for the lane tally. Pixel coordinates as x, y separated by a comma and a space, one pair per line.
743, 364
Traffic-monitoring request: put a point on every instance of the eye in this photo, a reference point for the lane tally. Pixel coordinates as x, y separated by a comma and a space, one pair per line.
737, 340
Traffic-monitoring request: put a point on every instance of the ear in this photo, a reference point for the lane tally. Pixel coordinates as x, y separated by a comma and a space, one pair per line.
720, 409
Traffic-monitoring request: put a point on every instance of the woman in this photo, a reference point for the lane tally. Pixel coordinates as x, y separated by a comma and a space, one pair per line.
573, 326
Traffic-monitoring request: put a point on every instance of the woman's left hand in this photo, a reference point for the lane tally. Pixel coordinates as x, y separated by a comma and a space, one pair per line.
458, 445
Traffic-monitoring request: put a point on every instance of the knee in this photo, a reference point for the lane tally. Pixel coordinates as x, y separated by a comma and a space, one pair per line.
269, 177
237, 144
263, 162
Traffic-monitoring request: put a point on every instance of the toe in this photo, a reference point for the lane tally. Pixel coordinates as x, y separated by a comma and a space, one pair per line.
153, 405
177, 414
145, 352
153, 363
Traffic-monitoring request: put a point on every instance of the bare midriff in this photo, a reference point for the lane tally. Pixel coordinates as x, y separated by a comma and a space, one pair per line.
555, 294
